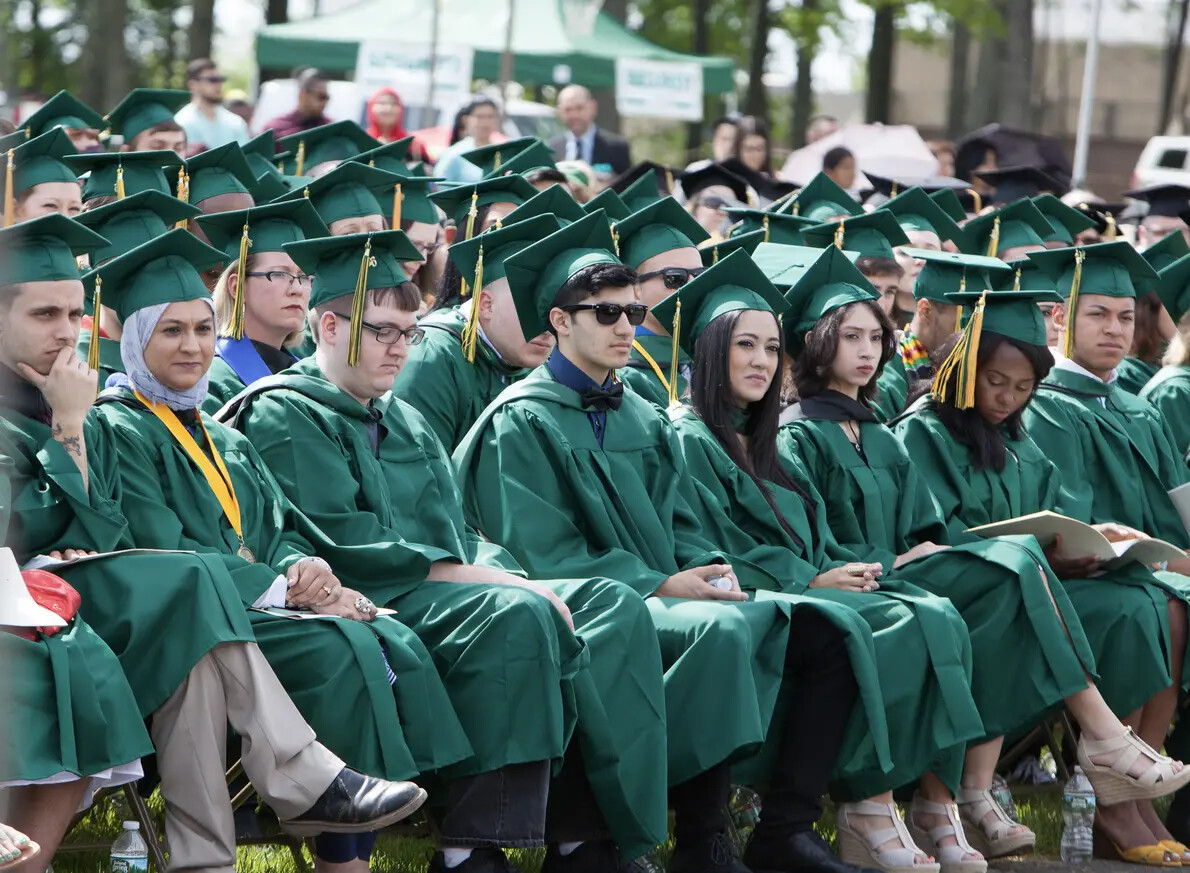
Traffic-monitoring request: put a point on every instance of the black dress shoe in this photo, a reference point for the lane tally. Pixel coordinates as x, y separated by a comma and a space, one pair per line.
357, 804
593, 856
714, 853
488, 859
803, 852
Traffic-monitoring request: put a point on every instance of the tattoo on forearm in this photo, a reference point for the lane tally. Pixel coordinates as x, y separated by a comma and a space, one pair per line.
72, 444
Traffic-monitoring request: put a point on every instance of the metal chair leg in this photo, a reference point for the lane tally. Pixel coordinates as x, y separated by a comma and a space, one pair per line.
141, 810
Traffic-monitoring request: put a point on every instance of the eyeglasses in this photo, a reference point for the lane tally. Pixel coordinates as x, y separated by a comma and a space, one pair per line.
609, 313
214, 80
673, 277
427, 249
390, 336
281, 276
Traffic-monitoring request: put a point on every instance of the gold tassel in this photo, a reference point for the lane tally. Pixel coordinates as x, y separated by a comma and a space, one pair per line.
673, 363
616, 239
397, 198
471, 330
237, 314
97, 307
669, 181
714, 255
358, 302
961, 363
1016, 282
10, 202
1072, 304
499, 223
994, 239
496, 163
976, 199
766, 228
893, 190
120, 193
472, 213
840, 234
301, 158
797, 208
1112, 231
183, 191
371, 162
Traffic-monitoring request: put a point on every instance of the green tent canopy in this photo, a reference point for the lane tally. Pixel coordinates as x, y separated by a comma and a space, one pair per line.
540, 41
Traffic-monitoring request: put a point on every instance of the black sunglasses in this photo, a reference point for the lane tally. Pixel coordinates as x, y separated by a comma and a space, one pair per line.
673, 277
609, 313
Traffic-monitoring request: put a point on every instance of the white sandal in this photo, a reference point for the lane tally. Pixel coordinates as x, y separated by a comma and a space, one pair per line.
990, 834
861, 849
952, 859
1112, 783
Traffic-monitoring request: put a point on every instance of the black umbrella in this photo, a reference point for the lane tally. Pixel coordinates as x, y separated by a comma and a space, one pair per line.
1014, 148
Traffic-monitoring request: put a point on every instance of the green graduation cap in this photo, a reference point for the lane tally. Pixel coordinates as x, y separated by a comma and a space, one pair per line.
267, 188
818, 281
143, 108
734, 284
337, 141
457, 202
1166, 250
660, 227
480, 260
947, 273
822, 199
873, 234
492, 158
782, 228
554, 201
1025, 276
948, 201
1017, 224
717, 251
915, 210
350, 266
134, 221
36, 162
12, 140
1173, 288
1065, 222
347, 191
261, 154
122, 174
63, 110
44, 249
221, 170
537, 273
412, 201
390, 156
536, 157
610, 202
166, 269
641, 193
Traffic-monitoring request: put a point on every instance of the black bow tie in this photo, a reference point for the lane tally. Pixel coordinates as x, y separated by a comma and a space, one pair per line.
603, 399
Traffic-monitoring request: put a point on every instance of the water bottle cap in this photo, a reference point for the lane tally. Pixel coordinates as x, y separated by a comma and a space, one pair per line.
132, 825
1078, 771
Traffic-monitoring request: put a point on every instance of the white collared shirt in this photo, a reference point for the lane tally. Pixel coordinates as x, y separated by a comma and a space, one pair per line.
1063, 363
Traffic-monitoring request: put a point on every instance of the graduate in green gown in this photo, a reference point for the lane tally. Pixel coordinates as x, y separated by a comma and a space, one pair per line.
1155, 329
576, 475
879, 507
38, 180
729, 442
514, 668
261, 297
174, 620
982, 466
80, 122
472, 352
1169, 389
928, 226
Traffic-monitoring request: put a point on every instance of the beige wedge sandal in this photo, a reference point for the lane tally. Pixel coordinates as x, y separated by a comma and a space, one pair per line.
951, 859
1113, 784
988, 826
861, 849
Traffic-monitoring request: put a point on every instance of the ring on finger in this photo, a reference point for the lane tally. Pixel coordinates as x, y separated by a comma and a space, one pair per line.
326, 589
364, 605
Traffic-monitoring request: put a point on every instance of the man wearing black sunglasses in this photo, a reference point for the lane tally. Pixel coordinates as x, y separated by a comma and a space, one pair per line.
208, 124
660, 243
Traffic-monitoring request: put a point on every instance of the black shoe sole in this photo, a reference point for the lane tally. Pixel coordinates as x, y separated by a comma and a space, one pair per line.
313, 828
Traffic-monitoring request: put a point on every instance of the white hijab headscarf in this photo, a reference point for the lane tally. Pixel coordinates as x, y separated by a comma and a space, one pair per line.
138, 330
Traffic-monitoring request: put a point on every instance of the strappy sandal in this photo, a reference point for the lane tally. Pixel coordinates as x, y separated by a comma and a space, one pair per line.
1112, 783
861, 849
1155, 855
1178, 850
952, 859
24, 853
990, 834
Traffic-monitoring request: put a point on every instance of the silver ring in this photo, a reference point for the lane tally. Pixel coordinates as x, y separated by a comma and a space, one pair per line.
364, 605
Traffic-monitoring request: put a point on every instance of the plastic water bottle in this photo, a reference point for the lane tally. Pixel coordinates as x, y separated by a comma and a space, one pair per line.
1078, 815
130, 853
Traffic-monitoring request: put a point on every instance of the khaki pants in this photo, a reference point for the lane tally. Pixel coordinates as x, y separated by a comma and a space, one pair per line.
233, 683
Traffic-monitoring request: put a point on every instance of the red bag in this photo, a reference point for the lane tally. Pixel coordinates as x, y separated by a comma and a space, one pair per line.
53, 593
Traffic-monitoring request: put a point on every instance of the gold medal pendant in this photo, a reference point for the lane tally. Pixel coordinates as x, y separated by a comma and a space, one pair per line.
246, 553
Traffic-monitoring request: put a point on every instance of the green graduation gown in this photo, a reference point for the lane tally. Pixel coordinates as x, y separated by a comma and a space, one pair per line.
1169, 392
879, 507
922, 651
1122, 612
623, 511
448, 390
640, 376
892, 389
329, 666
109, 355
223, 385
512, 666
1133, 374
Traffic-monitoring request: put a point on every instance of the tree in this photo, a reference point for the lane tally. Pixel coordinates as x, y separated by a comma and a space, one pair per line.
105, 60
1171, 60
960, 46
1015, 79
202, 28
880, 62
756, 102
276, 11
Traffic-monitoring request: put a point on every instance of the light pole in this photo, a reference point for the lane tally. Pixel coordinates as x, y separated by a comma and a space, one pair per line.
1082, 138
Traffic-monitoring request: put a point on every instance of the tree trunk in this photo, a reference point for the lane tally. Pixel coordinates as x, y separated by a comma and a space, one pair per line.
202, 29
983, 105
756, 101
803, 88
276, 11
1016, 68
1172, 61
956, 102
880, 64
105, 63
700, 45
608, 117
37, 46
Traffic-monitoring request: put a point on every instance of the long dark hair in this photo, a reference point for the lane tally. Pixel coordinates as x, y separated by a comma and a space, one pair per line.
812, 369
710, 393
1147, 344
984, 441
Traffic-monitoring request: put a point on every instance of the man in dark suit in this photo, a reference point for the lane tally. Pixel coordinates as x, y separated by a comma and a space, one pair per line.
583, 141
